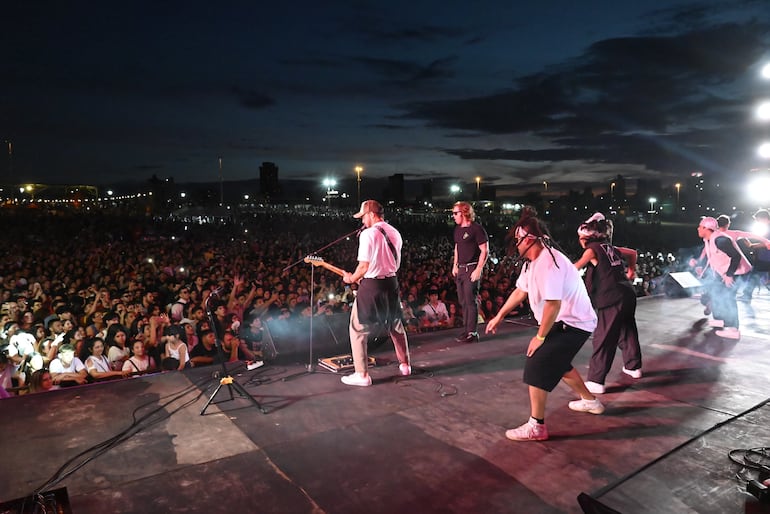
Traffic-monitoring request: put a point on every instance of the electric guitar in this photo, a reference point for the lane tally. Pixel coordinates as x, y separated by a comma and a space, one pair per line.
318, 261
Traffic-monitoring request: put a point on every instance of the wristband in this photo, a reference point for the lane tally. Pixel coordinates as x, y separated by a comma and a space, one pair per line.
539, 338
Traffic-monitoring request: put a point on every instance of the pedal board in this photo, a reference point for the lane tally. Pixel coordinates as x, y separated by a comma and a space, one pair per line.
341, 363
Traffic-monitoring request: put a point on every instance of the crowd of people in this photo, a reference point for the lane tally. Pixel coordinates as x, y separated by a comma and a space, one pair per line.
91, 295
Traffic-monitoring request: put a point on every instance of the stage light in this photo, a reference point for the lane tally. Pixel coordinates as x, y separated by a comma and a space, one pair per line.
763, 111
758, 190
759, 228
764, 150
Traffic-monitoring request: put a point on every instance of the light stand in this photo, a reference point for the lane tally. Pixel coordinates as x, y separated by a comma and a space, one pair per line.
310, 366
225, 379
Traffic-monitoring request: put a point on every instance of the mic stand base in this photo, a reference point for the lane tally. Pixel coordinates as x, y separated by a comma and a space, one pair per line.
310, 369
232, 385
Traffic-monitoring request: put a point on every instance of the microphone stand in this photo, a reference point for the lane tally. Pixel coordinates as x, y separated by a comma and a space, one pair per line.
225, 378
310, 366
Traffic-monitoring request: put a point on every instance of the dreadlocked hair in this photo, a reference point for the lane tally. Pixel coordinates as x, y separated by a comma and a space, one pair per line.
530, 224
533, 226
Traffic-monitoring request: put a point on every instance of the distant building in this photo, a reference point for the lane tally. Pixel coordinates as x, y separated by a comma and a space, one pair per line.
618, 190
396, 188
426, 194
268, 180
488, 193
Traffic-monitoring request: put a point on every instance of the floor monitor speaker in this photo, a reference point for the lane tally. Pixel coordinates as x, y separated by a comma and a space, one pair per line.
680, 284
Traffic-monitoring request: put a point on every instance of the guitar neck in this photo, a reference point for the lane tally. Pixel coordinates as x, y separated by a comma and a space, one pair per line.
332, 268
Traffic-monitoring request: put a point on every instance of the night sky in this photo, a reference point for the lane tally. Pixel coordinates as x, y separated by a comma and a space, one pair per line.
513, 92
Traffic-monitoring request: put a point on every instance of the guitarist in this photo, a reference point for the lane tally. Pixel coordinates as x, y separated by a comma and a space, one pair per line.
377, 306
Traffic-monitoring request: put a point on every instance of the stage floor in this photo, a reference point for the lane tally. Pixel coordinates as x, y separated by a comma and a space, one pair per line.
432, 442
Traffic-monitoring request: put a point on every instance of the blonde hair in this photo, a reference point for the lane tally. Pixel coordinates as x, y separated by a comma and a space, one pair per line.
467, 210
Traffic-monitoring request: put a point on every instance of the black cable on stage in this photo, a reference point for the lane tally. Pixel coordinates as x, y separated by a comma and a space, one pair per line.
608, 488
135, 428
751, 460
426, 374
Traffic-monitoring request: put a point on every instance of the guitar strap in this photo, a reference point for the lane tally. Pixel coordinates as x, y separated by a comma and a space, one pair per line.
390, 245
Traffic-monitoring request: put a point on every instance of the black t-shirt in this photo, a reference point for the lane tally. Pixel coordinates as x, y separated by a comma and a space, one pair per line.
468, 239
606, 282
199, 350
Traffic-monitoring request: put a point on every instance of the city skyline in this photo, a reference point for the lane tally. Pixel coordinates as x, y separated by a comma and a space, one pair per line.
695, 195
508, 92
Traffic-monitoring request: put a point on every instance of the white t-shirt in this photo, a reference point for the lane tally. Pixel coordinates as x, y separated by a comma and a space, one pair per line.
436, 313
115, 354
374, 249
76, 366
543, 280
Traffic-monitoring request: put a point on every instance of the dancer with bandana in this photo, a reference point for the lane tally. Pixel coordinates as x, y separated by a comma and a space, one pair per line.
566, 318
612, 295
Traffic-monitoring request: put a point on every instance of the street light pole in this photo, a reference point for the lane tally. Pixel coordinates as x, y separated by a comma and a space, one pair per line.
10, 159
221, 185
677, 186
358, 169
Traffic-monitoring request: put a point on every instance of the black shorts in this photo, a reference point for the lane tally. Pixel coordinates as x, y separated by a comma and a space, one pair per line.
553, 359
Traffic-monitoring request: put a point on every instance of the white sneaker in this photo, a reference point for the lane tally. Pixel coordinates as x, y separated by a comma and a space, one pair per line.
717, 323
729, 333
595, 387
357, 380
254, 365
529, 431
633, 373
583, 405
405, 369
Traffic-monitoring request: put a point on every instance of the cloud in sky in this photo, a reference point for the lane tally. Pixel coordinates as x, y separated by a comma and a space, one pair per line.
516, 93
667, 103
